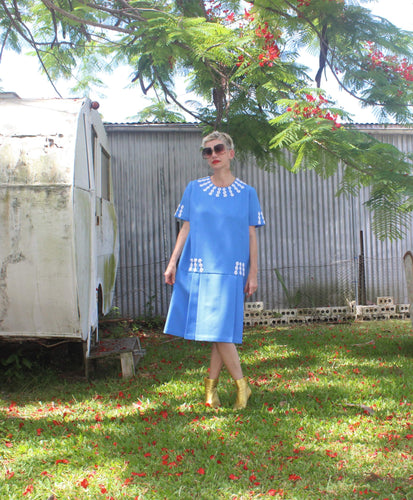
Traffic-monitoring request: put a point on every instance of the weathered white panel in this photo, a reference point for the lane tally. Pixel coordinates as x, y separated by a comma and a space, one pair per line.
37, 141
37, 283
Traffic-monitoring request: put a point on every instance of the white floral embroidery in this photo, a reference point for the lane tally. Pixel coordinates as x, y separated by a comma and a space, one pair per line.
196, 265
239, 268
201, 265
209, 187
261, 219
179, 210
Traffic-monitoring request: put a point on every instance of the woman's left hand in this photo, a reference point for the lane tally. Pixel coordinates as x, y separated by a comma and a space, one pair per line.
251, 285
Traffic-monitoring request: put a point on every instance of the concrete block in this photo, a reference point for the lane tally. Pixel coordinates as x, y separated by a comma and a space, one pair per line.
323, 311
362, 311
388, 309
341, 310
285, 313
279, 321
255, 314
383, 301
305, 311
398, 316
254, 306
374, 316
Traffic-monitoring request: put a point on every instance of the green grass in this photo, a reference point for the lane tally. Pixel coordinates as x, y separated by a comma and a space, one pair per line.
330, 418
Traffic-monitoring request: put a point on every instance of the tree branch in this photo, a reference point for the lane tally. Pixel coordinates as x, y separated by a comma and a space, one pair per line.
29, 39
181, 106
51, 6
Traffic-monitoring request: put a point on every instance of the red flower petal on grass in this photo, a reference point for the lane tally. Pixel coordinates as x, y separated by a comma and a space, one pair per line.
233, 477
62, 461
28, 490
84, 483
274, 492
294, 477
201, 471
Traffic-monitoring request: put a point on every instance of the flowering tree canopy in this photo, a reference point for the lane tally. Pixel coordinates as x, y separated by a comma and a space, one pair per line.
244, 60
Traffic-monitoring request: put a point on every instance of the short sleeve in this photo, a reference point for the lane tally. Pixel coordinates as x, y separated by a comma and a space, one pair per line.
256, 217
183, 210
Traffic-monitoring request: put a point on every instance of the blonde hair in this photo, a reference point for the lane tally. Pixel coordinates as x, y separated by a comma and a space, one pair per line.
219, 136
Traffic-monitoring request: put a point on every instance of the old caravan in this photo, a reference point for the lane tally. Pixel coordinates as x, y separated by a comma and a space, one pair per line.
58, 226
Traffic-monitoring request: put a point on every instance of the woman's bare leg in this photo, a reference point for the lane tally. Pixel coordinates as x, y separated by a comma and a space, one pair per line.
224, 353
215, 364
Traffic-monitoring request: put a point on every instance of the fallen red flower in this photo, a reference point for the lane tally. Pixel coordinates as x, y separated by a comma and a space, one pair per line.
233, 477
84, 483
28, 490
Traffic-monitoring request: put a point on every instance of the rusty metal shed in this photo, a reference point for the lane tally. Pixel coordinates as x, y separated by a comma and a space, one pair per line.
312, 236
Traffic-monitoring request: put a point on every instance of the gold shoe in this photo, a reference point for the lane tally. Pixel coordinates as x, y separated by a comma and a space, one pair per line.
211, 394
243, 394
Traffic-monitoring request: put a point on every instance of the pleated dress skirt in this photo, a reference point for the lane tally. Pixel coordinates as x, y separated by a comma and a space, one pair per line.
207, 307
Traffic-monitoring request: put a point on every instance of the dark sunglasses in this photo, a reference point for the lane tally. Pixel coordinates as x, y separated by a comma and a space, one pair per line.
218, 148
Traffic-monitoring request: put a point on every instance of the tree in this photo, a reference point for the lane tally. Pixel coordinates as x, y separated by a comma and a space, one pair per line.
242, 60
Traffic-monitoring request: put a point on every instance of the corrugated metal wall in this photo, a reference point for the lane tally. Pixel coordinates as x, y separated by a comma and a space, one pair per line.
312, 237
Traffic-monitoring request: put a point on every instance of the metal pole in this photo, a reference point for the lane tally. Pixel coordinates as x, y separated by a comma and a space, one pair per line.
362, 274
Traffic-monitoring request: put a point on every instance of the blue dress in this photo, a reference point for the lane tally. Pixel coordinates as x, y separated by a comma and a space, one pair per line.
207, 301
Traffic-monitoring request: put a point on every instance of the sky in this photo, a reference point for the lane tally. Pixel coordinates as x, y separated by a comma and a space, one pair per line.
119, 102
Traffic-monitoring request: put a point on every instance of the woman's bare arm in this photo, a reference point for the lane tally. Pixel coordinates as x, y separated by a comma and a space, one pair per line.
170, 271
252, 280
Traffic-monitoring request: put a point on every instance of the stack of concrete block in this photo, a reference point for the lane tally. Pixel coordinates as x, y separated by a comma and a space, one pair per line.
388, 308
403, 310
252, 313
385, 309
369, 313
256, 315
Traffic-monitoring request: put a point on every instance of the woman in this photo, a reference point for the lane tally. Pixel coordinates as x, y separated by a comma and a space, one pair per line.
217, 247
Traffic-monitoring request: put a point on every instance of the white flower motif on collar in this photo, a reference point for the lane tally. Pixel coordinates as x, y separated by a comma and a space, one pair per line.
209, 187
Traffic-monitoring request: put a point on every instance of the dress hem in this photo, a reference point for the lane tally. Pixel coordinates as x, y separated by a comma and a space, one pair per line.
198, 339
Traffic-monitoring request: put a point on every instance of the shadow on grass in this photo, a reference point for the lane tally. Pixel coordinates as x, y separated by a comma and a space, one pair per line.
305, 430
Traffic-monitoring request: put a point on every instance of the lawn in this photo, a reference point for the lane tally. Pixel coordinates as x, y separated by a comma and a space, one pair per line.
330, 418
